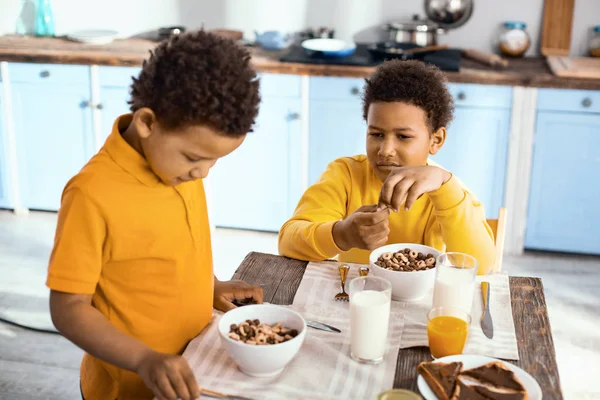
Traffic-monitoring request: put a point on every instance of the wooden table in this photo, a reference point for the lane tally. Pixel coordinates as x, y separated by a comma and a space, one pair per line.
280, 277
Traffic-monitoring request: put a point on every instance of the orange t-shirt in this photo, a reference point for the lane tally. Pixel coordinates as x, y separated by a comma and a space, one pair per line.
142, 249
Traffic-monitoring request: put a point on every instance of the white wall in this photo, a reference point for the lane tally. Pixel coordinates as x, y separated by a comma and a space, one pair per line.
361, 16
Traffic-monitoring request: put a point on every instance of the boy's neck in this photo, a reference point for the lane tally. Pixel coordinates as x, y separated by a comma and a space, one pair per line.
130, 135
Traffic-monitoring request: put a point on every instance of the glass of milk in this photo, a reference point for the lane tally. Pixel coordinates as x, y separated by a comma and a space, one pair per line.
455, 281
370, 300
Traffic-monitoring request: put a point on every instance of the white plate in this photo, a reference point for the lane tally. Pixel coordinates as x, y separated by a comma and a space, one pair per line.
534, 391
93, 36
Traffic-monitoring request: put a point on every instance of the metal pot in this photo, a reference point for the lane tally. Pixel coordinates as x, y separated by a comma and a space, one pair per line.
421, 32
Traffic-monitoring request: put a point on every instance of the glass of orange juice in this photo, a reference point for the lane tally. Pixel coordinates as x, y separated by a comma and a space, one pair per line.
447, 331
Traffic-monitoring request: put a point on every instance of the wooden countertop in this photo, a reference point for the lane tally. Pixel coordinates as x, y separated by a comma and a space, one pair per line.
530, 72
280, 278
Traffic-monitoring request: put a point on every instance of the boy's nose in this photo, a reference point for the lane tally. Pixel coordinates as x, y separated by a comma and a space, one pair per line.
387, 149
199, 173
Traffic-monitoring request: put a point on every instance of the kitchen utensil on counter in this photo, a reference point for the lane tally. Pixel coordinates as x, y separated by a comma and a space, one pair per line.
595, 42
486, 318
322, 326
575, 67
97, 37
329, 47
556, 27
514, 40
322, 32
168, 31
419, 31
343, 296
401, 51
449, 14
493, 60
274, 40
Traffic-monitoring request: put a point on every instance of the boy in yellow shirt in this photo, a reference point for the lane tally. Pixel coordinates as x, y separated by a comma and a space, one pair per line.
394, 194
131, 273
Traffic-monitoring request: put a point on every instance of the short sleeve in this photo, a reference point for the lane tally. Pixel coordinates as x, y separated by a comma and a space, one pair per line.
76, 259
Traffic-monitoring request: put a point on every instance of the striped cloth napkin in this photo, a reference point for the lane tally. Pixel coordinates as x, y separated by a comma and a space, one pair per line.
323, 368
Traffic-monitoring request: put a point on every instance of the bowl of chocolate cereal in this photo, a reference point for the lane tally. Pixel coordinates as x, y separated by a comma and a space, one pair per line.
410, 267
262, 338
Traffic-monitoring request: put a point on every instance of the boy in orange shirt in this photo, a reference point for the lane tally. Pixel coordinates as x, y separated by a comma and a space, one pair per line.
130, 273
394, 194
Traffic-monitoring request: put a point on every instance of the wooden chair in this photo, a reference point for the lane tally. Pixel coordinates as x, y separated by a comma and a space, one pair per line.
499, 229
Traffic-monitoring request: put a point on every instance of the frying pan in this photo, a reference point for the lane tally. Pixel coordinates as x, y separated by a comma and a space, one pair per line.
402, 51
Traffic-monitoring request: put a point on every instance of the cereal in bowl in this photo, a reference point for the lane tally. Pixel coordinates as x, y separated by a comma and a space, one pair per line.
253, 332
406, 260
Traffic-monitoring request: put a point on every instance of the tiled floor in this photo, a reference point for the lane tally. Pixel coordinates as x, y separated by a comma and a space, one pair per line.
36, 365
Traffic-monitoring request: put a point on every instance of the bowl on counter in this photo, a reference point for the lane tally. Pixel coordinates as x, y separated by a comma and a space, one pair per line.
329, 47
407, 286
262, 360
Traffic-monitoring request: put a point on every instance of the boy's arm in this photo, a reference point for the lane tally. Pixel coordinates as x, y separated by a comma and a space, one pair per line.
76, 319
308, 235
460, 219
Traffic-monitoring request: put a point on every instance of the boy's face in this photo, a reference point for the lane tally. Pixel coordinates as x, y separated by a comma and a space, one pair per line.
183, 154
398, 136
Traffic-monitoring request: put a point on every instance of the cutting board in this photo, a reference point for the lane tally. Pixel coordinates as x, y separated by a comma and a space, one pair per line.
556, 27
575, 67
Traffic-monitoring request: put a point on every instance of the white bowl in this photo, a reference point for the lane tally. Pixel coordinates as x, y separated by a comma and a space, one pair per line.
264, 360
407, 286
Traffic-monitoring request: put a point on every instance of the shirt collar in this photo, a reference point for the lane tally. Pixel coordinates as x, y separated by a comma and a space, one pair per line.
126, 156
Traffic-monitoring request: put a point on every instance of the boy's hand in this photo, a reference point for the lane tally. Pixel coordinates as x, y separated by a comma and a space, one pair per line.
169, 376
406, 184
366, 228
227, 292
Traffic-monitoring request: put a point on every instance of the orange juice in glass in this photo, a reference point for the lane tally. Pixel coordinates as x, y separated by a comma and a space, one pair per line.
447, 331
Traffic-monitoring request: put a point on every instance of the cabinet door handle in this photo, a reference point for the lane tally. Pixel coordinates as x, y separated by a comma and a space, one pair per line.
293, 116
587, 102
85, 104
461, 96
355, 91
99, 106
45, 74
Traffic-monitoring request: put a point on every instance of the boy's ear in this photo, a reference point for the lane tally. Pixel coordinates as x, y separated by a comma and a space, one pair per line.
144, 121
437, 140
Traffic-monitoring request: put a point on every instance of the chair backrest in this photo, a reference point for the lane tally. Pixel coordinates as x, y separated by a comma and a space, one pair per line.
499, 229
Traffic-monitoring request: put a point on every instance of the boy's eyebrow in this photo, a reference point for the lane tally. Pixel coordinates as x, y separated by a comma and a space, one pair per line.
398, 129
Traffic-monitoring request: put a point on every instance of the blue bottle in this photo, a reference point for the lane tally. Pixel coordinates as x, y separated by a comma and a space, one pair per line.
45, 20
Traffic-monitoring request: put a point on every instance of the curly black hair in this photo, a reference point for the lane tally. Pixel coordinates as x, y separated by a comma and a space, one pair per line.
199, 78
412, 82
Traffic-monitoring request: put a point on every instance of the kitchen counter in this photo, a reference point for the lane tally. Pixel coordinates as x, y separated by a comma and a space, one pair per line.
530, 72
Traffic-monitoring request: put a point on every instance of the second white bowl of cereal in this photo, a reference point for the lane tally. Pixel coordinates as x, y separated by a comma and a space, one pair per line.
262, 338
410, 267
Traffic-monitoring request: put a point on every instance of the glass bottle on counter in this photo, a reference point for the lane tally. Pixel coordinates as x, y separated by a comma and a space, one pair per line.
595, 42
514, 40
45, 20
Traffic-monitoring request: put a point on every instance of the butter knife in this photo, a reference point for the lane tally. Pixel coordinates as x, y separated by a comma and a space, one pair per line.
321, 326
486, 318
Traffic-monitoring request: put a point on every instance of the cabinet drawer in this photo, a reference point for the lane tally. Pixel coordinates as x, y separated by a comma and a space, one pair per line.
49, 73
473, 95
279, 85
569, 100
117, 76
322, 87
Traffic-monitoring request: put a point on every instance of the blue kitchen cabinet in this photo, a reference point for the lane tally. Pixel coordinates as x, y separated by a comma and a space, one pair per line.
115, 85
336, 125
477, 141
563, 213
258, 185
53, 129
5, 201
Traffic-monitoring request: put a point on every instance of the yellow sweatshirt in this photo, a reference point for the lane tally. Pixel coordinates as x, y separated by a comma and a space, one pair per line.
448, 219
